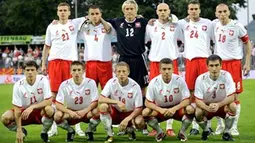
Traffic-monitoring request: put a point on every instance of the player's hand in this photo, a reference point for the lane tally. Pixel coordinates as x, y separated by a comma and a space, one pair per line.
44, 69
214, 107
54, 22
74, 115
82, 113
19, 136
170, 112
25, 114
151, 21
246, 70
163, 111
123, 124
122, 106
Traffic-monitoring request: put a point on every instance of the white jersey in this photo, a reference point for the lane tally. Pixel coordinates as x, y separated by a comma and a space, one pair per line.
77, 97
25, 94
197, 36
167, 94
62, 38
130, 95
228, 43
163, 39
97, 43
211, 91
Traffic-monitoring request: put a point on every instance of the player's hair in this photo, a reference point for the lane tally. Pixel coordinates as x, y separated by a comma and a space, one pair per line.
213, 58
128, 2
122, 64
94, 7
194, 2
64, 4
31, 64
77, 63
166, 61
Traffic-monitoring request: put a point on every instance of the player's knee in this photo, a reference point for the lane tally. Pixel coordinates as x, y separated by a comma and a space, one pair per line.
6, 117
57, 116
139, 122
49, 111
190, 110
103, 107
95, 112
198, 114
232, 107
146, 112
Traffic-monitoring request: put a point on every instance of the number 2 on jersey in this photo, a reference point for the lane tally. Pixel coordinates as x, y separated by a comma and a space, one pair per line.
163, 35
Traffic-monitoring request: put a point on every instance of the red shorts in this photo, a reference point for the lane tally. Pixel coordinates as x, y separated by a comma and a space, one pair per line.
155, 70
34, 117
118, 116
75, 121
59, 71
220, 113
234, 67
194, 68
177, 116
101, 72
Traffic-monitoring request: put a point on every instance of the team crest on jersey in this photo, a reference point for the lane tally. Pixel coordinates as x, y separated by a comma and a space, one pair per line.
222, 86
137, 25
103, 30
130, 95
71, 28
39, 91
172, 28
87, 92
204, 27
176, 90
231, 32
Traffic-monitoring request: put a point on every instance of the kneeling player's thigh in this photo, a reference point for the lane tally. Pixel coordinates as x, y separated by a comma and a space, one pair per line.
34, 118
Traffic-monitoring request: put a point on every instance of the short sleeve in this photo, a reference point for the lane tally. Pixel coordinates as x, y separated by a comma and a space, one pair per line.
150, 96
198, 89
230, 84
94, 92
46, 88
184, 89
106, 92
139, 97
16, 96
61, 93
48, 36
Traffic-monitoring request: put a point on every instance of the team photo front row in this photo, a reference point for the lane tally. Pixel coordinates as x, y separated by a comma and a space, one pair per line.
121, 102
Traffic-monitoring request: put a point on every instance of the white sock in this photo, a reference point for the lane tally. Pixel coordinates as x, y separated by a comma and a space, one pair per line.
107, 121
169, 124
92, 124
209, 123
77, 127
54, 126
47, 123
194, 124
220, 121
238, 111
64, 125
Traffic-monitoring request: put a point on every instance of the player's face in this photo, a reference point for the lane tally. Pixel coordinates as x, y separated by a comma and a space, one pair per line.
63, 12
166, 70
129, 12
214, 68
30, 73
194, 11
163, 11
223, 13
94, 15
77, 72
122, 73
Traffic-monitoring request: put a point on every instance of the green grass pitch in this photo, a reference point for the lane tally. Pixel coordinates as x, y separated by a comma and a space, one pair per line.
246, 124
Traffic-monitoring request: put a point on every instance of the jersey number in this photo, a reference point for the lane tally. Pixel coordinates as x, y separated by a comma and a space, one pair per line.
163, 35
193, 34
65, 36
123, 100
214, 94
168, 98
129, 32
78, 100
33, 100
222, 38
96, 38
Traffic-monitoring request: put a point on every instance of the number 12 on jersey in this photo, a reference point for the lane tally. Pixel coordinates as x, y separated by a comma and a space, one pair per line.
130, 32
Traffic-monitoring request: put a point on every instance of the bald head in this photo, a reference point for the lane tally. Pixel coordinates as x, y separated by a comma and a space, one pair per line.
222, 13
163, 11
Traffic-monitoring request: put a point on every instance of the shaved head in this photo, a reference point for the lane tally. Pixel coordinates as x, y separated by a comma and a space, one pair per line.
222, 5
163, 12
222, 13
162, 5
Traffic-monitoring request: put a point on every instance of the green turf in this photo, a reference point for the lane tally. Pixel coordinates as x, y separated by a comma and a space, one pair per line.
246, 123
